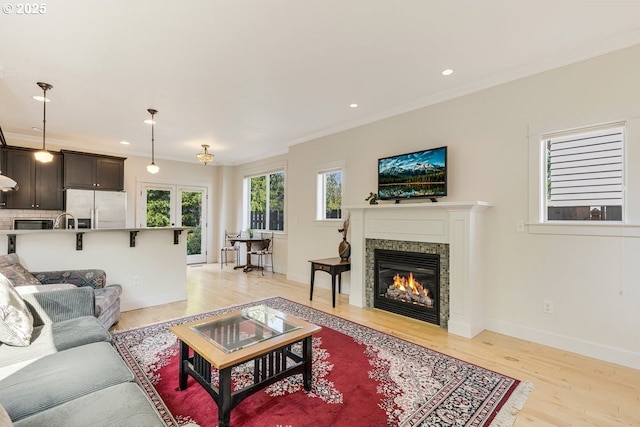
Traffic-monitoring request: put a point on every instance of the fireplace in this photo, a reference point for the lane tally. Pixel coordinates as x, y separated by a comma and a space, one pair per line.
453, 230
408, 283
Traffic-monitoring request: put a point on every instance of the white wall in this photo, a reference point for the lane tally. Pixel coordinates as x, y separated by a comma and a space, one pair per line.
591, 280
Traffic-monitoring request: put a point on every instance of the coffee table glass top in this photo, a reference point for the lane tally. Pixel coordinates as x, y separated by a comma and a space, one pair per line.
250, 326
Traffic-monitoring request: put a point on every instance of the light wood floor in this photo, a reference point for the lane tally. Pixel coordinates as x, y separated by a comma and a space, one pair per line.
570, 390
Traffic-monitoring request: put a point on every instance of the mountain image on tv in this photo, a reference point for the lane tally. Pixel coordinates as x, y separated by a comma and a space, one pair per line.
420, 174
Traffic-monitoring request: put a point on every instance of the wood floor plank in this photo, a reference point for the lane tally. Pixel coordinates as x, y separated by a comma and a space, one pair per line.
570, 389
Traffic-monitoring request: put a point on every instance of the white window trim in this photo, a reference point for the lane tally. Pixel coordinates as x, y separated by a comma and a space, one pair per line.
321, 169
321, 196
249, 173
630, 226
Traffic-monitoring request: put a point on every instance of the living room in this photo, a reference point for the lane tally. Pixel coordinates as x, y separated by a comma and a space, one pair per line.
586, 271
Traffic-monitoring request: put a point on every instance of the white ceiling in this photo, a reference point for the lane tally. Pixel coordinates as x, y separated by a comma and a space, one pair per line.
251, 77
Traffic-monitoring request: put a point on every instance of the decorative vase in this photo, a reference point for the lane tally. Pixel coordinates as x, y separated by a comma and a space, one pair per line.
344, 249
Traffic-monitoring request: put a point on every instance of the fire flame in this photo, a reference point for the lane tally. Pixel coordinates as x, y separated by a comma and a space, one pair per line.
409, 284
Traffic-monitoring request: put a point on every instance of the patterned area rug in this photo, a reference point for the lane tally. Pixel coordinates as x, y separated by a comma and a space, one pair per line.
361, 377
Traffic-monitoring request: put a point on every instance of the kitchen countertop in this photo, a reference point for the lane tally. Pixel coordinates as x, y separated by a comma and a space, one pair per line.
90, 230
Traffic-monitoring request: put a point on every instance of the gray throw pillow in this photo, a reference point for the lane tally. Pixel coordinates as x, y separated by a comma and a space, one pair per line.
16, 322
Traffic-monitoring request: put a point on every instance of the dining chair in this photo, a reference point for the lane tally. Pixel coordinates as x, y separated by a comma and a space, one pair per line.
228, 246
264, 249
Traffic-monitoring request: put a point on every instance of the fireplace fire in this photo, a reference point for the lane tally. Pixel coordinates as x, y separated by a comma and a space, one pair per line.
408, 283
408, 289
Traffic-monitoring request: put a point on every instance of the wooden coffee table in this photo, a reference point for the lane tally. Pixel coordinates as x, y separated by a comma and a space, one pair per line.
260, 334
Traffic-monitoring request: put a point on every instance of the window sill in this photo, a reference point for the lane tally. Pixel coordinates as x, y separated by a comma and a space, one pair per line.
615, 229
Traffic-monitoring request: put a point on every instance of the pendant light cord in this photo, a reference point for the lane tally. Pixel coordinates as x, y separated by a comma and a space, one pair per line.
44, 118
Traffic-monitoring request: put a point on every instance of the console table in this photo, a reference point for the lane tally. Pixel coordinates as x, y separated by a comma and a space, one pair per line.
335, 267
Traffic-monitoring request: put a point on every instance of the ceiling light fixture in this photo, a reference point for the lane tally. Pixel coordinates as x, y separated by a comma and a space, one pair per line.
353, 105
43, 155
152, 167
205, 156
447, 72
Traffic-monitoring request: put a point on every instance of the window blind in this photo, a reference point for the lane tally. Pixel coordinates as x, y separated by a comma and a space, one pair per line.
585, 169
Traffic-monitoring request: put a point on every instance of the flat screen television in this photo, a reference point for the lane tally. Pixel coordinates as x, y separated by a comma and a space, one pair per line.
419, 174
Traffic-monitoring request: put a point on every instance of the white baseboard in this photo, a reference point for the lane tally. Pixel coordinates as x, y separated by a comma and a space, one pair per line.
298, 278
575, 345
134, 304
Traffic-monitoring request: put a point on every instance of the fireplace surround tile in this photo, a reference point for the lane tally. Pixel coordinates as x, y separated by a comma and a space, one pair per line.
441, 249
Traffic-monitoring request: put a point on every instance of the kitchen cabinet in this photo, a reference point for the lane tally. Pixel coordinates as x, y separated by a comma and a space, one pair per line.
93, 171
40, 184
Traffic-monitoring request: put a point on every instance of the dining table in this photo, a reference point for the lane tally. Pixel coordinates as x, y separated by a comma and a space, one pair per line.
248, 242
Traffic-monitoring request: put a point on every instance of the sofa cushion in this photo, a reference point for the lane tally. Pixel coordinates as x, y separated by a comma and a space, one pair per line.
16, 322
122, 405
94, 277
79, 331
61, 377
52, 338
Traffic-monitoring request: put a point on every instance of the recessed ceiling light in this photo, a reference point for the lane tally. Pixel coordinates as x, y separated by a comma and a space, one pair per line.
125, 142
353, 105
150, 122
36, 129
447, 72
41, 98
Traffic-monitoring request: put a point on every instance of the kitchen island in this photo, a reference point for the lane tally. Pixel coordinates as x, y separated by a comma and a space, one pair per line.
149, 263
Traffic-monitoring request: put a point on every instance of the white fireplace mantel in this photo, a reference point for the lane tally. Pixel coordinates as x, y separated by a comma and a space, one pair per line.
459, 224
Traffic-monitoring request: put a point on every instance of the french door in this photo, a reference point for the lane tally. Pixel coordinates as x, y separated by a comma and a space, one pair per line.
165, 205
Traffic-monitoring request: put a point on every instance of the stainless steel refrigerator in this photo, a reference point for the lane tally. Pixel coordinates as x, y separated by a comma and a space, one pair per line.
97, 209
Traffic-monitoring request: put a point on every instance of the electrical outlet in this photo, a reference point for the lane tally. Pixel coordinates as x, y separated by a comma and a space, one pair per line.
547, 306
520, 226
135, 281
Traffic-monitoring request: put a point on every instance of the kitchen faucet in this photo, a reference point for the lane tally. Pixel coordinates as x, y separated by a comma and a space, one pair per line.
56, 223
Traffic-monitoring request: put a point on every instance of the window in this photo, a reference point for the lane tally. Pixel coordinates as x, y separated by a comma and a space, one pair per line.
329, 195
266, 201
584, 174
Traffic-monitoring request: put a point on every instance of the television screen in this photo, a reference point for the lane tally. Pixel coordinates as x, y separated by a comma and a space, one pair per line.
419, 174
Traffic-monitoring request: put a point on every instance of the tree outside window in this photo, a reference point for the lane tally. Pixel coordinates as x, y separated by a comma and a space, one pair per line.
267, 207
329, 199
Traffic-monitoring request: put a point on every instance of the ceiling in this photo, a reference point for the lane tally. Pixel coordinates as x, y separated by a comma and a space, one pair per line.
252, 77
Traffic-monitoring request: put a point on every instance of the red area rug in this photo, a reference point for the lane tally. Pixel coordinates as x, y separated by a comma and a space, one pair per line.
361, 377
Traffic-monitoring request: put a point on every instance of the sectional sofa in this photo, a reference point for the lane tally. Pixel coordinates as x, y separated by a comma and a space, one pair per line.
107, 296
58, 367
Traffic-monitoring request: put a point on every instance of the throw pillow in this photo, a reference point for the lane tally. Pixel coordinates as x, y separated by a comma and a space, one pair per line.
10, 266
5, 420
16, 322
9, 259
19, 275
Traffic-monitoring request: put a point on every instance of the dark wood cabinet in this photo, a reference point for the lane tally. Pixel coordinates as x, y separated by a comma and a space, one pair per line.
40, 184
93, 171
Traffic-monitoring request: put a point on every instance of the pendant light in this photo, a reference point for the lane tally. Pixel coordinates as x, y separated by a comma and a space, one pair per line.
43, 155
6, 183
205, 156
152, 167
